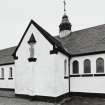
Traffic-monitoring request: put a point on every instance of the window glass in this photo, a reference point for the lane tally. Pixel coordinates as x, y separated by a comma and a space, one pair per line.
31, 49
87, 66
75, 67
65, 68
2, 72
10, 73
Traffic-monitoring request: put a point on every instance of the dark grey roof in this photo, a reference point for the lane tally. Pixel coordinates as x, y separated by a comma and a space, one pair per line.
6, 56
90, 40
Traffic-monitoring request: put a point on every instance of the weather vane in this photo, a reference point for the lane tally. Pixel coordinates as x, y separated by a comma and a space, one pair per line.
64, 6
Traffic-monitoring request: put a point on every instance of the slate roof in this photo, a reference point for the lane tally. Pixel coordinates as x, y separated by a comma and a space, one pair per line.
86, 41
6, 56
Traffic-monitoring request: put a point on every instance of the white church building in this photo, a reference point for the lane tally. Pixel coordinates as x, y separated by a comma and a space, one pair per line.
44, 65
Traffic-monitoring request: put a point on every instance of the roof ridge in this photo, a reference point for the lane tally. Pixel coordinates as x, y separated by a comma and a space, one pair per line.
88, 28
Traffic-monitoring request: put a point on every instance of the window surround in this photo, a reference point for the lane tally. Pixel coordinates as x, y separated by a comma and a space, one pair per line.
87, 66
31, 43
88, 75
100, 63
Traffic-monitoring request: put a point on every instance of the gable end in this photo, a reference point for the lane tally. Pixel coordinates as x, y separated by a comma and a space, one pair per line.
50, 38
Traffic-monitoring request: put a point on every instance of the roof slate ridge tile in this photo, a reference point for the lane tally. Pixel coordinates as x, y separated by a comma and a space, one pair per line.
93, 27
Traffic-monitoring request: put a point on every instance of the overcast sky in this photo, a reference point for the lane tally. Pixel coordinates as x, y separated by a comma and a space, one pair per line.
16, 14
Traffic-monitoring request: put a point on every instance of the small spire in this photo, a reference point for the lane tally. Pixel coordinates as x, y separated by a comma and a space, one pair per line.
65, 26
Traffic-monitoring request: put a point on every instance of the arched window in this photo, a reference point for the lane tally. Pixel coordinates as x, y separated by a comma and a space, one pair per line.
65, 68
32, 42
75, 67
100, 65
87, 66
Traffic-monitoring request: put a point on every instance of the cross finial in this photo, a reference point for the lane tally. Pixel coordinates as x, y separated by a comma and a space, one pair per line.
64, 6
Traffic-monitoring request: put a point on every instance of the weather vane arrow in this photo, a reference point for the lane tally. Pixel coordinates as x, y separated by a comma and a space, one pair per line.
64, 6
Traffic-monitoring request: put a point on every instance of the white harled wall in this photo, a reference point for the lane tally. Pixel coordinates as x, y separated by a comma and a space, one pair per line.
95, 84
45, 77
6, 82
62, 83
